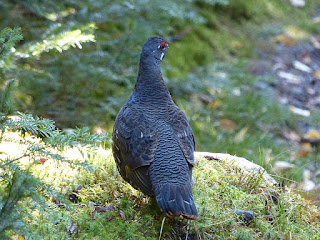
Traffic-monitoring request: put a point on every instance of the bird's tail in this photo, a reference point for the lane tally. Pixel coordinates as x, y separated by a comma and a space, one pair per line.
176, 200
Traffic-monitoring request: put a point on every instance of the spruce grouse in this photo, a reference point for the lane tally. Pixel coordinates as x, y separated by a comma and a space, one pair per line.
153, 143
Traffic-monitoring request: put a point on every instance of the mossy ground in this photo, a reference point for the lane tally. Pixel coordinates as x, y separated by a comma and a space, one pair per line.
109, 208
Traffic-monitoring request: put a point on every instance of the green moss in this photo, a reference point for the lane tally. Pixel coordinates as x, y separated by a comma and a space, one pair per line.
219, 190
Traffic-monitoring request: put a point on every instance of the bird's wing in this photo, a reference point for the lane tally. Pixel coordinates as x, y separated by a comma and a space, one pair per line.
183, 131
134, 144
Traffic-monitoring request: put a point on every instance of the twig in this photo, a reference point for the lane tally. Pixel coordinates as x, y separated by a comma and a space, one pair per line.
13, 160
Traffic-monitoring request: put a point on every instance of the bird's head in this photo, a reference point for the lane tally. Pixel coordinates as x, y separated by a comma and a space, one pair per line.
154, 50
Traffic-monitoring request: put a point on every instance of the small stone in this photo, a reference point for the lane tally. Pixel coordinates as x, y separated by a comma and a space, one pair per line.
301, 67
299, 111
298, 3
282, 166
291, 78
308, 185
307, 175
247, 215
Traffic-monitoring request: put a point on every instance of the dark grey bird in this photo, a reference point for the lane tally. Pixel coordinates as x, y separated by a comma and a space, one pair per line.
153, 143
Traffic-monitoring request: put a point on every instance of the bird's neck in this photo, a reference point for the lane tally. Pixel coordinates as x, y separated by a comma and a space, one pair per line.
150, 82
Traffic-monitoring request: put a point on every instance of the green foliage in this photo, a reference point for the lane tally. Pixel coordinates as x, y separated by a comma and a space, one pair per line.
18, 182
6, 106
20, 152
16, 185
60, 41
74, 85
8, 38
93, 80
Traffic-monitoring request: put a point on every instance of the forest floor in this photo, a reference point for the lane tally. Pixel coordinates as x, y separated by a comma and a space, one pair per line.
294, 67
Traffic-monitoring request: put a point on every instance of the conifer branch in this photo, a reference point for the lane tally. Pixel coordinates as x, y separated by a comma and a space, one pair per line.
13, 160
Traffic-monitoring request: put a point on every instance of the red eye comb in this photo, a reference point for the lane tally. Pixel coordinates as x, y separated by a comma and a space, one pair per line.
163, 45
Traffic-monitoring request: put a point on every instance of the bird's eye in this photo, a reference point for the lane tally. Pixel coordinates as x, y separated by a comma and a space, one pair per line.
163, 45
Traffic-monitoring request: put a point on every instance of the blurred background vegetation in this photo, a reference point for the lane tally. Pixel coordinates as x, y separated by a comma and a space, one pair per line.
78, 62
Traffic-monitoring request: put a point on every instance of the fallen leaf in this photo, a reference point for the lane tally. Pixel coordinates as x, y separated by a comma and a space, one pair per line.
313, 134
227, 124
195, 98
17, 237
303, 151
241, 135
214, 104
133, 197
316, 74
284, 39
205, 98
295, 32
315, 42
104, 208
290, 135
43, 160
212, 91
236, 44
305, 58
312, 137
